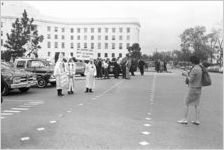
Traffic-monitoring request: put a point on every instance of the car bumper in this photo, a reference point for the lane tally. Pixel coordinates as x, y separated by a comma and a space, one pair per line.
52, 80
22, 85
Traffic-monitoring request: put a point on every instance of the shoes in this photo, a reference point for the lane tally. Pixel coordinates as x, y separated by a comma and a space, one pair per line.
87, 90
195, 122
182, 121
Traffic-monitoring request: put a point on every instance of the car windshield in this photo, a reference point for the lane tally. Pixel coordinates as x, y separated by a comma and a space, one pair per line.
36, 63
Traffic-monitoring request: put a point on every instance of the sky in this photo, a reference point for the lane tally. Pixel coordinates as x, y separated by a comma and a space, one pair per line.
161, 21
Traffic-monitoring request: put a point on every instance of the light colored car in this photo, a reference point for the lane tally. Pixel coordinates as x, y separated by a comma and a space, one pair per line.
13, 78
215, 68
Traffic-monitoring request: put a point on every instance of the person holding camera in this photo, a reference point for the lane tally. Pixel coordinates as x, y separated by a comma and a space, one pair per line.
193, 80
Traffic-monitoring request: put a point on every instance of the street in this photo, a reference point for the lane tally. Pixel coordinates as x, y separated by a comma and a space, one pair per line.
140, 113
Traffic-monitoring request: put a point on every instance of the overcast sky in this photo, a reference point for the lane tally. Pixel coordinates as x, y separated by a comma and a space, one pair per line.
161, 21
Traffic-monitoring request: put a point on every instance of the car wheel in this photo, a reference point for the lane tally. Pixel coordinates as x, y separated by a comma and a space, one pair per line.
41, 83
5, 90
23, 89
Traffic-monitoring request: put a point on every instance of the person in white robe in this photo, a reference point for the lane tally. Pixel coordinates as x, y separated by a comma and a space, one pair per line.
71, 70
90, 73
60, 75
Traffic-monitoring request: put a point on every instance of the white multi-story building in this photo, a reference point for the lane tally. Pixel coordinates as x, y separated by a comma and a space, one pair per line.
107, 38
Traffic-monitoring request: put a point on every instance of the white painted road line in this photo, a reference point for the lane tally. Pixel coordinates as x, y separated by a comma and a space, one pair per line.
40, 129
25, 138
20, 108
80, 104
110, 88
31, 104
6, 114
11, 111
143, 143
147, 125
148, 118
25, 106
53, 121
146, 133
68, 111
148, 113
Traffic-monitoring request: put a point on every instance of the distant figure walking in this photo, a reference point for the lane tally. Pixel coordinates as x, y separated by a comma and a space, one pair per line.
193, 79
141, 65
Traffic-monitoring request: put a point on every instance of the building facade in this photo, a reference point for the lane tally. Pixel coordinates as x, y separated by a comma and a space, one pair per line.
108, 39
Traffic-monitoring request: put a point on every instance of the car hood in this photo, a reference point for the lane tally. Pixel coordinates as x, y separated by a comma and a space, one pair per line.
15, 72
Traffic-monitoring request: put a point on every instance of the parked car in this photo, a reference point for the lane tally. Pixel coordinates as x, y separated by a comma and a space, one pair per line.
13, 78
40, 67
215, 68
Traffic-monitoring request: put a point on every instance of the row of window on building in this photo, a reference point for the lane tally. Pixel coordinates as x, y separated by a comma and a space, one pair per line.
92, 30
92, 37
98, 54
92, 45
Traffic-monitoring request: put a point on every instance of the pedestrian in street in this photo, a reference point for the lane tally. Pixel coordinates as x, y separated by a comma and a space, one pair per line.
71, 70
105, 68
157, 66
123, 67
164, 66
60, 75
141, 65
99, 67
116, 68
90, 73
193, 79
128, 66
161, 66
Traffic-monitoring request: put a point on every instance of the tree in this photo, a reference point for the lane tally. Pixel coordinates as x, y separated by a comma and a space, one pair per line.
195, 38
22, 31
135, 51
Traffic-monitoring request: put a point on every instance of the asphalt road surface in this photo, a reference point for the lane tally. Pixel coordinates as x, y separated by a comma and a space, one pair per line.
140, 113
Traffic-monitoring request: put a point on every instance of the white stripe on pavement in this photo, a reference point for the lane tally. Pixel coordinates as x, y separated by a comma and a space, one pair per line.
25, 106
20, 108
6, 114
146, 133
11, 111
53, 121
147, 125
40, 129
143, 143
148, 118
25, 138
